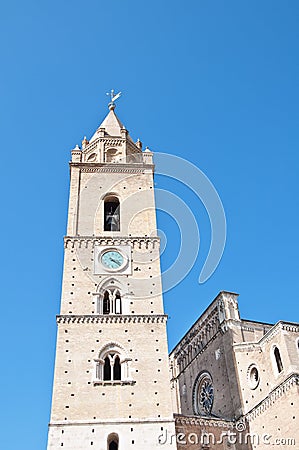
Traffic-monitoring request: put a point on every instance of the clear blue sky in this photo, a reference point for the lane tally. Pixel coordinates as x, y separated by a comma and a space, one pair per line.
215, 82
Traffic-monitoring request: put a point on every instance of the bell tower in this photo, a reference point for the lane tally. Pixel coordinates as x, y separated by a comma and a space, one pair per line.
111, 386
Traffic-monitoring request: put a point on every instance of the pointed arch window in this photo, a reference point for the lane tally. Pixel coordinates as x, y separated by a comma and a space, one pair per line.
110, 302
278, 360
111, 214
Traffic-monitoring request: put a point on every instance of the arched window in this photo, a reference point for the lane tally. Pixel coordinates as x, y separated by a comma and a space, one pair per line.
112, 155
111, 214
116, 369
278, 360
106, 303
110, 302
107, 369
117, 301
113, 365
112, 441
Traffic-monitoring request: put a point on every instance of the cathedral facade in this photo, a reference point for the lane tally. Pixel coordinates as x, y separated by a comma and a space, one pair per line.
115, 386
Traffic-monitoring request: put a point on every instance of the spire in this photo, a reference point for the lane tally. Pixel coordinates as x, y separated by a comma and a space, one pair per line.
111, 143
111, 125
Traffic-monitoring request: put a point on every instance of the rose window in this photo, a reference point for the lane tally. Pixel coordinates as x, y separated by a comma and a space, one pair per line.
203, 394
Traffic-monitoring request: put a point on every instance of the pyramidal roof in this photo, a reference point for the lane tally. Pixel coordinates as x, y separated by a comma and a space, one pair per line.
111, 124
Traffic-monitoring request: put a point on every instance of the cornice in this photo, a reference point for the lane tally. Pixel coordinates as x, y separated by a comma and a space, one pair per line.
107, 140
134, 241
112, 141
59, 423
155, 318
113, 167
211, 311
276, 394
195, 330
276, 329
262, 407
114, 383
204, 422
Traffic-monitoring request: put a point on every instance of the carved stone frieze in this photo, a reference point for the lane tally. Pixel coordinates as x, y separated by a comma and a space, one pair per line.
274, 331
157, 318
276, 394
200, 334
203, 422
90, 147
112, 142
90, 241
110, 169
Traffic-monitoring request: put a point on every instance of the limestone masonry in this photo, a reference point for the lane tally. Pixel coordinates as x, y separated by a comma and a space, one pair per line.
228, 384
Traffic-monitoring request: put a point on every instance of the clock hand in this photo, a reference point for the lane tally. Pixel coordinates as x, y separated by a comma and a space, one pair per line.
116, 262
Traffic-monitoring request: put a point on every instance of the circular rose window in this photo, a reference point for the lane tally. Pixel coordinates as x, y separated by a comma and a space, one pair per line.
203, 394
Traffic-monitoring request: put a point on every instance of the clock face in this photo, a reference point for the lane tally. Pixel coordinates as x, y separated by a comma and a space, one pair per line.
112, 259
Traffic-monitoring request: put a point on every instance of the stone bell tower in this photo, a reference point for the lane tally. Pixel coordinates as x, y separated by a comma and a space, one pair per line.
111, 383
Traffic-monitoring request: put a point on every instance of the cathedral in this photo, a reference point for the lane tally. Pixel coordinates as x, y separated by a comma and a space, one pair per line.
229, 384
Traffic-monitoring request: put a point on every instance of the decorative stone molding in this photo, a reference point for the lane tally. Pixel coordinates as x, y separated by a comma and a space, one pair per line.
276, 394
158, 318
201, 326
276, 329
109, 141
75, 423
91, 147
90, 241
288, 326
209, 322
93, 167
110, 169
247, 347
112, 142
203, 332
203, 422
114, 383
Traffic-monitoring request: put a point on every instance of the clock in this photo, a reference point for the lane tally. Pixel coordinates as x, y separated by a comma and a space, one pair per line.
112, 260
